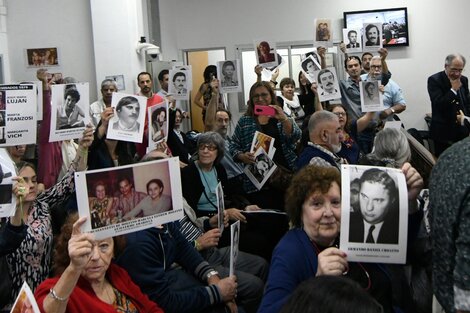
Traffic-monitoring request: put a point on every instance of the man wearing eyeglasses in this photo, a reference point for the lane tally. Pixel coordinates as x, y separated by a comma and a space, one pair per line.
448, 91
393, 99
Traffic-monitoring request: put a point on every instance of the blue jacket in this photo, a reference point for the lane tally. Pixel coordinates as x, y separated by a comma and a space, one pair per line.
294, 260
148, 257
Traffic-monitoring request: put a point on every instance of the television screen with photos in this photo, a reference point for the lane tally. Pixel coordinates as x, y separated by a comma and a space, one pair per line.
395, 24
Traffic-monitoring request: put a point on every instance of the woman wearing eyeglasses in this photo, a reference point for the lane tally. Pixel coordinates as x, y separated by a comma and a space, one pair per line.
200, 178
283, 129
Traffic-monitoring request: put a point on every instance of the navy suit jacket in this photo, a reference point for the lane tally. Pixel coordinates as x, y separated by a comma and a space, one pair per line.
445, 105
388, 233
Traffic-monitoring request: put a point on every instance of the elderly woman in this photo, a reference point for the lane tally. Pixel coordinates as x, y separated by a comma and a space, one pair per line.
156, 202
87, 279
310, 248
282, 128
199, 179
31, 261
391, 149
100, 205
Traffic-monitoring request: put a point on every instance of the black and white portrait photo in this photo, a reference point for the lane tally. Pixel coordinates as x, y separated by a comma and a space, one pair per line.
70, 110
234, 240
179, 83
309, 66
328, 86
129, 117
372, 36
374, 213
261, 170
371, 96
352, 38
229, 74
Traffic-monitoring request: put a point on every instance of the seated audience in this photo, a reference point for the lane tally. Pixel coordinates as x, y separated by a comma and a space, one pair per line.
31, 262
332, 294
194, 286
309, 249
87, 279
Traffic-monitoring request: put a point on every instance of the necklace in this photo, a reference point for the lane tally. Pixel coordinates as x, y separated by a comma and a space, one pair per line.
369, 282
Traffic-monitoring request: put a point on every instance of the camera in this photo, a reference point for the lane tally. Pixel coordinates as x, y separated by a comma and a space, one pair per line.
153, 52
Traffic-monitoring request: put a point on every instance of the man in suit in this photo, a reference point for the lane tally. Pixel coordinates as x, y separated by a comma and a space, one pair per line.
128, 110
352, 37
378, 220
448, 91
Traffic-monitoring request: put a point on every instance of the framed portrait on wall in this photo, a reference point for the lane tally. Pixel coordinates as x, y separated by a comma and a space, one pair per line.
41, 57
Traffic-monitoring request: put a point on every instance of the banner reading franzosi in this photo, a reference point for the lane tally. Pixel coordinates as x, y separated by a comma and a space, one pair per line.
129, 198
18, 115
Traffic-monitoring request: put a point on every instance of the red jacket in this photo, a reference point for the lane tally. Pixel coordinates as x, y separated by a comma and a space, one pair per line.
84, 299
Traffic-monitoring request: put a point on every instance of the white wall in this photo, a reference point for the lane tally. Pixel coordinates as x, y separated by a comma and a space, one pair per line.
117, 27
436, 28
65, 24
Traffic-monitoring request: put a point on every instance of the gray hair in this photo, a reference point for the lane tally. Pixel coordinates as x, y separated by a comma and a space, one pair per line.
451, 58
107, 82
376, 57
391, 146
215, 139
318, 118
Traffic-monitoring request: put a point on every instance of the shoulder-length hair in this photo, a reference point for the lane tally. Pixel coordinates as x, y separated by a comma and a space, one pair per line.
215, 139
308, 180
250, 111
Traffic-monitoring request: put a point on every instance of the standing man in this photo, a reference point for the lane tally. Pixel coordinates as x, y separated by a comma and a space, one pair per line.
378, 219
393, 99
352, 37
448, 91
145, 82
449, 191
108, 87
365, 58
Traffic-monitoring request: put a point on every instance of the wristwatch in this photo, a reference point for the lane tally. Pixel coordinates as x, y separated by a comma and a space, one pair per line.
393, 111
211, 273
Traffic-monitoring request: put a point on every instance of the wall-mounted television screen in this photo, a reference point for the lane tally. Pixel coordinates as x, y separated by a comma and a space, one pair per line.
395, 24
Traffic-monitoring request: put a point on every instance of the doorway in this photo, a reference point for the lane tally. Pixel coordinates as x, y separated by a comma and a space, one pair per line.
199, 59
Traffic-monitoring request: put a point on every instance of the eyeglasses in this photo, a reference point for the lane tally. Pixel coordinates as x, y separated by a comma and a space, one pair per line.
263, 95
339, 114
208, 146
376, 66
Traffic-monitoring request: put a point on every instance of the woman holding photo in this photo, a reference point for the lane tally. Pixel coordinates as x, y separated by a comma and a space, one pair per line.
31, 262
283, 129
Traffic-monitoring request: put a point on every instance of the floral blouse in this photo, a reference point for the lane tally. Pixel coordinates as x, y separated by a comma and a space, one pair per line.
31, 262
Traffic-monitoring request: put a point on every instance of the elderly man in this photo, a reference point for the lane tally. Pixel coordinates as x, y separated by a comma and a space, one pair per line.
108, 87
325, 137
393, 99
449, 93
